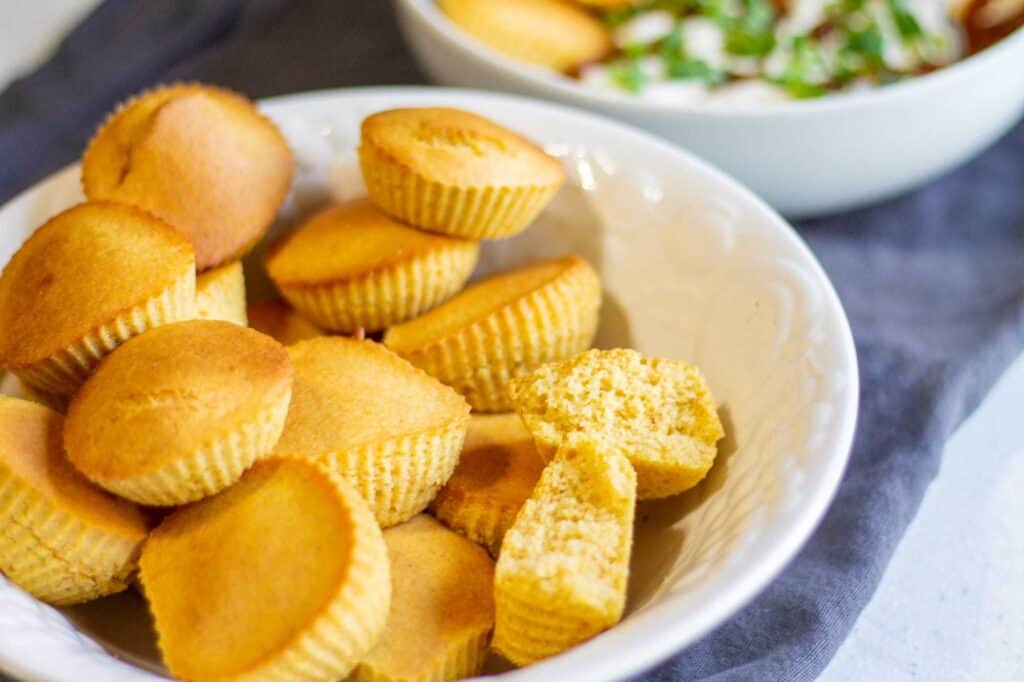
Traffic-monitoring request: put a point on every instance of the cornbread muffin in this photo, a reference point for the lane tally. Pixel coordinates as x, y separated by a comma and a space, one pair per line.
551, 33
62, 539
454, 172
607, 4
351, 267
202, 158
659, 413
562, 573
89, 279
394, 432
283, 576
180, 412
497, 471
220, 294
276, 319
442, 607
503, 327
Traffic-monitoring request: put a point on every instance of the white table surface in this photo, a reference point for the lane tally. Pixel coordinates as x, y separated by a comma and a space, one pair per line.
951, 605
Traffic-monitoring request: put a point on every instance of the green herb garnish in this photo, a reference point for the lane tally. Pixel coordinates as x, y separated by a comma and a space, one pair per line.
628, 75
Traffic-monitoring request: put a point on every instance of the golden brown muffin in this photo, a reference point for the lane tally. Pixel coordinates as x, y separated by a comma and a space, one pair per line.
202, 158
89, 279
551, 33
276, 319
454, 172
497, 471
351, 267
607, 4
562, 574
180, 412
61, 538
283, 576
658, 413
442, 607
503, 327
220, 294
391, 430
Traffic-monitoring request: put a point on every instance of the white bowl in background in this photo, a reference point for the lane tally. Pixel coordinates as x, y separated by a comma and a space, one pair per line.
694, 267
806, 158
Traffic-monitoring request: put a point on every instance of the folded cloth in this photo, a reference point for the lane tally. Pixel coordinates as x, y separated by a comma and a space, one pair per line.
933, 283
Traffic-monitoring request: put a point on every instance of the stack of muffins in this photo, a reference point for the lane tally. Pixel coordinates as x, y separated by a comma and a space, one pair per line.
289, 464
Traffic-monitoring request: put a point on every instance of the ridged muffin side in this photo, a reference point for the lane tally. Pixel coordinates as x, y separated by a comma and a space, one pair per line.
456, 173
61, 539
353, 267
551, 321
212, 467
180, 412
398, 478
391, 430
85, 282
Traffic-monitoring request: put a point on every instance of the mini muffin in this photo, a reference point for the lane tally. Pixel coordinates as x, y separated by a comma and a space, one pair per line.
394, 432
551, 33
220, 294
202, 158
61, 538
504, 327
659, 413
352, 267
277, 319
607, 4
283, 576
454, 172
180, 412
88, 280
442, 607
497, 471
562, 574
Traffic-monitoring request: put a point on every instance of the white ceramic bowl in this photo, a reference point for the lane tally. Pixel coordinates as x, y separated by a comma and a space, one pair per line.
695, 267
806, 158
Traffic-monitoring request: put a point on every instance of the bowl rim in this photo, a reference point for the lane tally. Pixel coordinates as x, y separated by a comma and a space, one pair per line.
428, 13
661, 636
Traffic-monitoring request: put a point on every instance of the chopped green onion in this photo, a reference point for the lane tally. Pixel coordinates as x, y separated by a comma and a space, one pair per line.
628, 75
906, 23
695, 69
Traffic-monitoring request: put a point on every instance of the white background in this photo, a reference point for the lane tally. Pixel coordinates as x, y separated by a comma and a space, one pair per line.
951, 605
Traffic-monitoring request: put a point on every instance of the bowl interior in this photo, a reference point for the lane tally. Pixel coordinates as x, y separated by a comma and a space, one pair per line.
519, 76
694, 268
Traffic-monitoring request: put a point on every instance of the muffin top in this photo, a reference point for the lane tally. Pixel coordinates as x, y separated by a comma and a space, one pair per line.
442, 600
350, 393
235, 579
499, 463
170, 391
555, 34
202, 158
82, 269
277, 319
459, 148
32, 454
480, 300
348, 240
